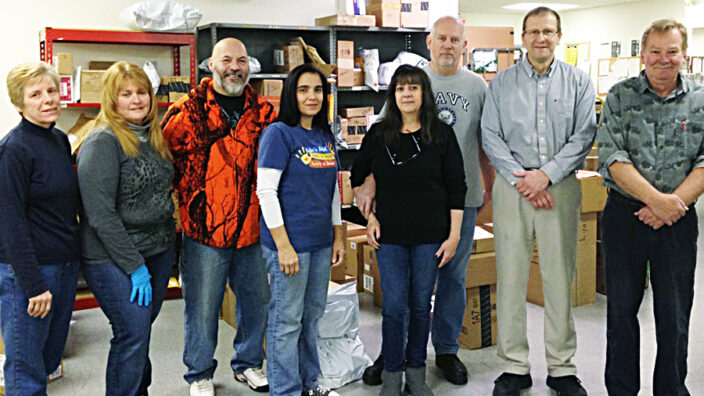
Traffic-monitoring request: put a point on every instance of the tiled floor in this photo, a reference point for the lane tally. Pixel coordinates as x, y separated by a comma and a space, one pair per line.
86, 352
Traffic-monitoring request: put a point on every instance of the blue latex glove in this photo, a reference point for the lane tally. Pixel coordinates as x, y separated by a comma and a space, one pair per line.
140, 284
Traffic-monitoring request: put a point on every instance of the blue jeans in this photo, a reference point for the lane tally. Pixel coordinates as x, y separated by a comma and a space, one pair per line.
451, 298
129, 370
204, 273
628, 245
297, 303
33, 346
408, 274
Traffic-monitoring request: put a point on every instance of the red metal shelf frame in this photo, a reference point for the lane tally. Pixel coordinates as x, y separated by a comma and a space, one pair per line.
49, 35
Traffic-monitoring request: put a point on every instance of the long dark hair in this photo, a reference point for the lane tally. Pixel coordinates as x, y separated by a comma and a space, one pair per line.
289, 113
391, 123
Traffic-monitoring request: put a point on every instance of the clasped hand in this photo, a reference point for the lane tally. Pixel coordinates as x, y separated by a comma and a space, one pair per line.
533, 187
667, 209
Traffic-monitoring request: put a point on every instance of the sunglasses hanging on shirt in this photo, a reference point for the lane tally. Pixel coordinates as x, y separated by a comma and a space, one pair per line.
393, 159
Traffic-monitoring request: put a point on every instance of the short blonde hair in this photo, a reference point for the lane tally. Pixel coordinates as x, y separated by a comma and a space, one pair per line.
24, 73
115, 77
662, 26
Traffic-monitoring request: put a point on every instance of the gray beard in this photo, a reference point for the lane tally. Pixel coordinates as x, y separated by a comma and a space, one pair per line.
233, 89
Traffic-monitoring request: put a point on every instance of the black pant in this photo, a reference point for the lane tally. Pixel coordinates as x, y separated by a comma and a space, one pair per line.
628, 245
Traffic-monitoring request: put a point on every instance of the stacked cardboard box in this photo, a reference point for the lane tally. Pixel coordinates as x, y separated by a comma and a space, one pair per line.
479, 328
372, 279
387, 12
414, 13
270, 90
346, 20
345, 63
287, 57
584, 283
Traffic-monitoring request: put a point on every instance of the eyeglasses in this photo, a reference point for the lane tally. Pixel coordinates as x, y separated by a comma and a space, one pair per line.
547, 33
392, 157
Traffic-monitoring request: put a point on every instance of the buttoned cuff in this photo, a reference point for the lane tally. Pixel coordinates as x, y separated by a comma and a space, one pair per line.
513, 180
699, 161
553, 172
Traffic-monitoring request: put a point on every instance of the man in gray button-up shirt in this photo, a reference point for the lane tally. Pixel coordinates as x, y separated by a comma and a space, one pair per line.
651, 153
538, 125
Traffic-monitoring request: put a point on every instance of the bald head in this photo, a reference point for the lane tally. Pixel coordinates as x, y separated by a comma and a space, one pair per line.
230, 66
446, 42
449, 23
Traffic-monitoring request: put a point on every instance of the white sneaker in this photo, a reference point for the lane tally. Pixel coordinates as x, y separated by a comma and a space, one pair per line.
255, 377
320, 391
203, 387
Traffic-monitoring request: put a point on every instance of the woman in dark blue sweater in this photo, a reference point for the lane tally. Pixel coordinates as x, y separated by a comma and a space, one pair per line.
39, 242
417, 164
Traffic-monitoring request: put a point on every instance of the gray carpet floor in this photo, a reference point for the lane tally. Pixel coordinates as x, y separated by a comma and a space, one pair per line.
87, 349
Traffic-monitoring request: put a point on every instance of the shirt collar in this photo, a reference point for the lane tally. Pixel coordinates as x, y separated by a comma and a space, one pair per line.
684, 85
530, 71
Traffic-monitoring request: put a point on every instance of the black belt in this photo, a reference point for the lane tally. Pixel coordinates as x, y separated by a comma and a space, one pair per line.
624, 200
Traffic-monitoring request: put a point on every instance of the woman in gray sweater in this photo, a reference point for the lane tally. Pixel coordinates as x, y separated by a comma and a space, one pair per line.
127, 226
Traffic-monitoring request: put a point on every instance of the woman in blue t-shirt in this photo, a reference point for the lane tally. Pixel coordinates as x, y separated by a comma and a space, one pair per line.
301, 232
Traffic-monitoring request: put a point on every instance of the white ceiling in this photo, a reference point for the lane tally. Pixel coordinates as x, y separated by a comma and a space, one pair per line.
494, 6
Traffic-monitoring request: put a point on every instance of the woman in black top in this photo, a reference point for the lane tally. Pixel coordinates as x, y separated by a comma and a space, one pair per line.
420, 188
39, 242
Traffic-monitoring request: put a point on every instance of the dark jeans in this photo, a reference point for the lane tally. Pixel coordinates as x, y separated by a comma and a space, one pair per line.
33, 346
408, 274
628, 245
129, 370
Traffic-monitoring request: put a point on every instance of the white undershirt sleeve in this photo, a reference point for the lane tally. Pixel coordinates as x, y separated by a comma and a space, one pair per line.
336, 209
267, 191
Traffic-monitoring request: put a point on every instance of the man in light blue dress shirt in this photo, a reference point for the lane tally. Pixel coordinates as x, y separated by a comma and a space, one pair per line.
538, 126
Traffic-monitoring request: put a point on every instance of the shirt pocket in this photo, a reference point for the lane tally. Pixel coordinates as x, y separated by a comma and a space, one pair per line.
690, 135
565, 117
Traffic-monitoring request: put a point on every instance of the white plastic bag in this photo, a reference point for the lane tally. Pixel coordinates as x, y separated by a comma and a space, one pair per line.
340, 350
409, 58
161, 16
150, 69
371, 68
386, 71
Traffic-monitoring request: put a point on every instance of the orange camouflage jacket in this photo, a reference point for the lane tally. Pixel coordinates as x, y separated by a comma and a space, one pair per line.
216, 166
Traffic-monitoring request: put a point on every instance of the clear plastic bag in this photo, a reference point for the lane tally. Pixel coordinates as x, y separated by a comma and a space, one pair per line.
161, 16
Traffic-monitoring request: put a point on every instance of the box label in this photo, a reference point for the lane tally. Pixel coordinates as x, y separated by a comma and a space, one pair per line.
278, 57
368, 283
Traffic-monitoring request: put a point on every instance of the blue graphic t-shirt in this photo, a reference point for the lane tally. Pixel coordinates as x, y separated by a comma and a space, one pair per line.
308, 161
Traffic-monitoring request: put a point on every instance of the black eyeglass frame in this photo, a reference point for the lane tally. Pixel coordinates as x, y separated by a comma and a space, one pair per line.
404, 162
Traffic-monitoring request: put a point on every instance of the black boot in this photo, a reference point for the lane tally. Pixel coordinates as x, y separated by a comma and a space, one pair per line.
372, 374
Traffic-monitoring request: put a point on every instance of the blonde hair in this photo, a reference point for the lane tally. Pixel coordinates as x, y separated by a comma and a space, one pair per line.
115, 77
23, 74
662, 26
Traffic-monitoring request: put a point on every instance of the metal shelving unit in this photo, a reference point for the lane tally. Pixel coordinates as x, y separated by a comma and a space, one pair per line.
49, 36
260, 41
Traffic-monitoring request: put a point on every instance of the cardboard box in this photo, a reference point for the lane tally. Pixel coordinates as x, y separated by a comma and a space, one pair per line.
91, 85
345, 77
387, 13
346, 20
583, 289
345, 54
79, 131
64, 63
162, 94
350, 7
227, 312
352, 229
592, 163
479, 326
357, 77
345, 186
287, 57
372, 280
354, 259
357, 121
100, 65
179, 86
414, 13
357, 111
483, 241
593, 191
267, 87
338, 273
481, 270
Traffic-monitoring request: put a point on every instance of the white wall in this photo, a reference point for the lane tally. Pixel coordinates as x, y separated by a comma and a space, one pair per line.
20, 25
